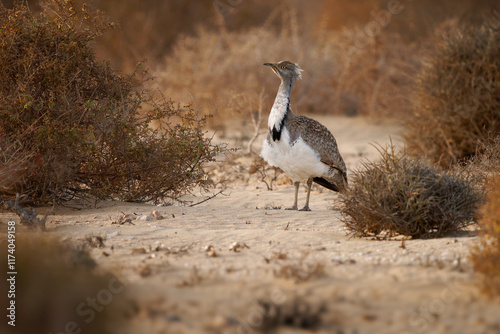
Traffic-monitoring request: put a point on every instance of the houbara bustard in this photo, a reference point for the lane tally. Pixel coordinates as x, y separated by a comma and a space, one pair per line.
302, 147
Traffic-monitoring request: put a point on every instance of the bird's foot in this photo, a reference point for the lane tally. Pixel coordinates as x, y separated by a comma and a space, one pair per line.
305, 208
292, 208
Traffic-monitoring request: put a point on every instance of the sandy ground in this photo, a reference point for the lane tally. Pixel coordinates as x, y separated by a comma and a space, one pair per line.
240, 263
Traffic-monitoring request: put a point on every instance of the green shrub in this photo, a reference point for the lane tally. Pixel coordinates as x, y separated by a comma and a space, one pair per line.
75, 127
457, 98
485, 255
400, 195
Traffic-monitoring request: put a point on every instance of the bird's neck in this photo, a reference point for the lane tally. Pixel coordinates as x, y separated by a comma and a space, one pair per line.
280, 107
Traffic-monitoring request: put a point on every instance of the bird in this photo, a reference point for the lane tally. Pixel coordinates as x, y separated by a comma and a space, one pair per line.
300, 146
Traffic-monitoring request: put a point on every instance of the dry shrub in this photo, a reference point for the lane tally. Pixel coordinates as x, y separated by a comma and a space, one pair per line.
400, 195
485, 165
14, 164
268, 174
76, 128
56, 284
224, 72
489, 161
485, 255
457, 99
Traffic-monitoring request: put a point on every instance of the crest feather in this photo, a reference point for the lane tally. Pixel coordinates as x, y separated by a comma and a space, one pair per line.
298, 71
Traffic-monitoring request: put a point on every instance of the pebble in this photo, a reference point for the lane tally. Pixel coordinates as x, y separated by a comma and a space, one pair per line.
157, 215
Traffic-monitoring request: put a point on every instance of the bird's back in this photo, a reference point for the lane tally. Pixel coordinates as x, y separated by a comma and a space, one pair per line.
317, 136
321, 140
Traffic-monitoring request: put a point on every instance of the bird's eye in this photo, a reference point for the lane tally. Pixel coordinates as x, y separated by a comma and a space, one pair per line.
282, 67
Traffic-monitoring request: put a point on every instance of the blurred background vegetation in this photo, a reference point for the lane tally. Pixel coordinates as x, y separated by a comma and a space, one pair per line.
354, 54
150, 29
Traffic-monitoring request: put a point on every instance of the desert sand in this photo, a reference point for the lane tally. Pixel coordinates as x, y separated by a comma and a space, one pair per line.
240, 263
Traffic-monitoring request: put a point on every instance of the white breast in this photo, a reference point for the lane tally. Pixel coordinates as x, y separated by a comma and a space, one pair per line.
299, 161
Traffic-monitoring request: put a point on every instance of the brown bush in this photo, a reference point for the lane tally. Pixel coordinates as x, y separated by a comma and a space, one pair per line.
400, 195
485, 255
75, 127
457, 99
485, 165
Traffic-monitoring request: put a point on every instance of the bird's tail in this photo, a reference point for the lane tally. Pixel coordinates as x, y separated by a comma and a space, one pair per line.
338, 183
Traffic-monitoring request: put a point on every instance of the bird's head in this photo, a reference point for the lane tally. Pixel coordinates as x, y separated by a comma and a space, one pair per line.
286, 70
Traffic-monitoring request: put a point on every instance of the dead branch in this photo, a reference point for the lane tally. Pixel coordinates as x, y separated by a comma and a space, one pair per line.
207, 199
256, 120
28, 217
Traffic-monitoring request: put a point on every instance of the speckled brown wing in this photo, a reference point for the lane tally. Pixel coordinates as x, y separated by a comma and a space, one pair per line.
319, 137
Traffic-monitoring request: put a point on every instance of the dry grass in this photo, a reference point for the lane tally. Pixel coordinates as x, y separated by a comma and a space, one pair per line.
485, 165
400, 195
224, 71
150, 29
457, 101
485, 255
268, 175
14, 165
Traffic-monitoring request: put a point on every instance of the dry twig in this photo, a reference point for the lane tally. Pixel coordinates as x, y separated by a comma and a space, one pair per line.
28, 217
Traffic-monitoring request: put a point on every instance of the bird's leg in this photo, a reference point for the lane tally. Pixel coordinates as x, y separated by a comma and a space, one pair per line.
294, 207
309, 184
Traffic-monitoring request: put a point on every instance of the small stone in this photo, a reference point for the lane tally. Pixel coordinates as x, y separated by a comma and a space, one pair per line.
237, 247
212, 253
156, 215
207, 248
210, 250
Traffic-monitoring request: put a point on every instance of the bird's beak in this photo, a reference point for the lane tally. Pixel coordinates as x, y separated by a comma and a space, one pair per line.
274, 68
